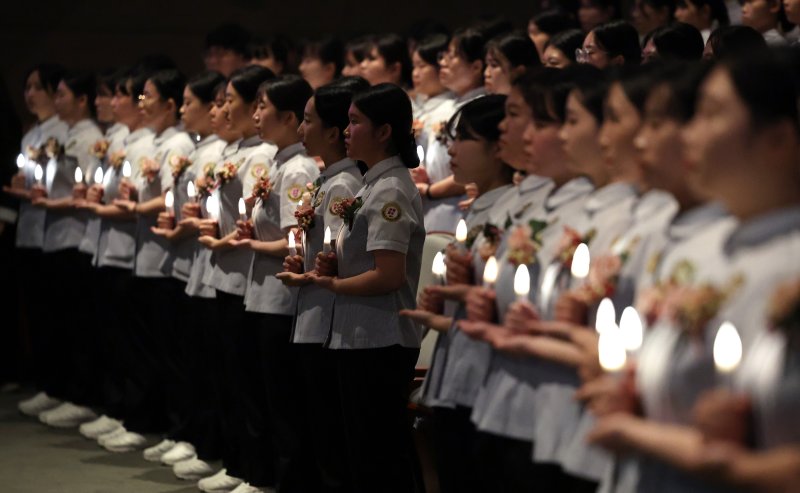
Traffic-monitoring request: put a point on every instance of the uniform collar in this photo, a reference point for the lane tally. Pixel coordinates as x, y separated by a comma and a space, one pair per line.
651, 203
608, 196
81, 126
470, 95
488, 199
533, 182
210, 139
116, 128
764, 228
50, 123
694, 220
289, 152
569, 191
338, 167
431, 103
251, 141
138, 134
382, 167
166, 134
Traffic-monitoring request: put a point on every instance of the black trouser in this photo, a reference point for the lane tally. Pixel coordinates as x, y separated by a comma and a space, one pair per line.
287, 415
85, 388
374, 386
323, 416
247, 451
29, 270
454, 437
12, 350
180, 343
199, 408
115, 288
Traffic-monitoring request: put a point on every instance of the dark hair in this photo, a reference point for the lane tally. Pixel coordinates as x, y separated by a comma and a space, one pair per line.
678, 41
619, 38
567, 42
82, 84
493, 26
426, 28
718, 9
480, 118
328, 50
734, 41
359, 47
662, 4
155, 62
388, 104
170, 84
561, 84
246, 81
287, 93
606, 4
429, 48
535, 86
204, 85
470, 43
332, 101
394, 49
230, 37
109, 78
682, 79
592, 86
50, 74
766, 83
517, 48
554, 21
278, 47
636, 82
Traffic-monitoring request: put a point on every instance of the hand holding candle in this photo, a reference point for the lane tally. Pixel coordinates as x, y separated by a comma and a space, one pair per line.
79, 190
326, 241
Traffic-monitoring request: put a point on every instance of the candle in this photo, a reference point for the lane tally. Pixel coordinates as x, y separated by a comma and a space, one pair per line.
611, 351
490, 273
727, 348
98, 176
461, 231
212, 207
292, 247
630, 326
580, 262
326, 241
606, 316
191, 191
420, 153
242, 210
21, 160
522, 283
38, 174
78, 175
438, 267
169, 202
127, 171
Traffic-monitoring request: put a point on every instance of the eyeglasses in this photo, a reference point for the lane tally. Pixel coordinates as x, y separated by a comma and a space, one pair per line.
583, 55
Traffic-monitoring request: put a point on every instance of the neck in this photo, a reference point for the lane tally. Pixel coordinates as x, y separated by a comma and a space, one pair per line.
162, 123
285, 141
496, 181
373, 160
773, 193
249, 132
45, 114
332, 156
465, 91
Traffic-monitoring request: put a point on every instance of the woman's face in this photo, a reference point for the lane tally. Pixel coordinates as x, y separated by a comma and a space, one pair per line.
67, 105
579, 136
219, 122
352, 67
538, 37
717, 138
360, 136
238, 113
555, 58
36, 96
316, 73
375, 69
267, 119
792, 9
496, 76
621, 122
594, 54
456, 73
194, 112
659, 144
124, 108
759, 14
473, 160
512, 127
645, 18
151, 105
425, 77
590, 16
102, 102
543, 149
688, 13
312, 132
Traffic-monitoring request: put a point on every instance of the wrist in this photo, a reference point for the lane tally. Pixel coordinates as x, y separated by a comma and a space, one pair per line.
428, 193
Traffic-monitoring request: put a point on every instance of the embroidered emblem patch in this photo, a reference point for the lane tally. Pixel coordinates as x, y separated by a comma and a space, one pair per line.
258, 170
392, 211
295, 192
318, 200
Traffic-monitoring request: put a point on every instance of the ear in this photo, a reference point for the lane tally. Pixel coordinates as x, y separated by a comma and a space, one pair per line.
330, 70
332, 135
396, 69
287, 118
516, 72
171, 105
384, 133
775, 6
477, 68
780, 138
617, 60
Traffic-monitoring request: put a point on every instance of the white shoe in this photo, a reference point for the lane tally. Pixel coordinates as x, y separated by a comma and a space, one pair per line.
37, 404
102, 425
192, 469
154, 453
219, 483
101, 440
180, 452
67, 415
125, 442
247, 488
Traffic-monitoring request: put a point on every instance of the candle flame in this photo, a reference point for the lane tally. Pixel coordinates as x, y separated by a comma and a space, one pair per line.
611, 350
327, 238
127, 170
98, 176
438, 264
490, 271
420, 153
169, 199
291, 240
242, 207
606, 316
522, 282
461, 231
630, 326
21, 161
78, 175
212, 207
727, 348
581, 261
38, 172
191, 191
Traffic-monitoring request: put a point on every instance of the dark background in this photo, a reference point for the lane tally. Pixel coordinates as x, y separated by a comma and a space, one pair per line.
93, 34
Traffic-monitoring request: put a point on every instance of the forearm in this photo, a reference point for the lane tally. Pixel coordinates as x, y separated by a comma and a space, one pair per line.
555, 350
60, 204
115, 213
151, 207
677, 445
277, 248
370, 283
446, 188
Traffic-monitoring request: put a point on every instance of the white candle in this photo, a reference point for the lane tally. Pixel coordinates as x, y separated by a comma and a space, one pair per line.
292, 247
169, 202
242, 210
580, 262
437, 268
191, 191
630, 325
421, 153
326, 241
606, 316
78, 175
98, 176
461, 231
21, 160
727, 348
490, 273
212, 207
522, 283
127, 170
38, 173
611, 351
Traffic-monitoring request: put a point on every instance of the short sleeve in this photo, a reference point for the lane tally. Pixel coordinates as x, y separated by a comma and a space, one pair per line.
391, 219
259, 166
293, 185
334, 193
